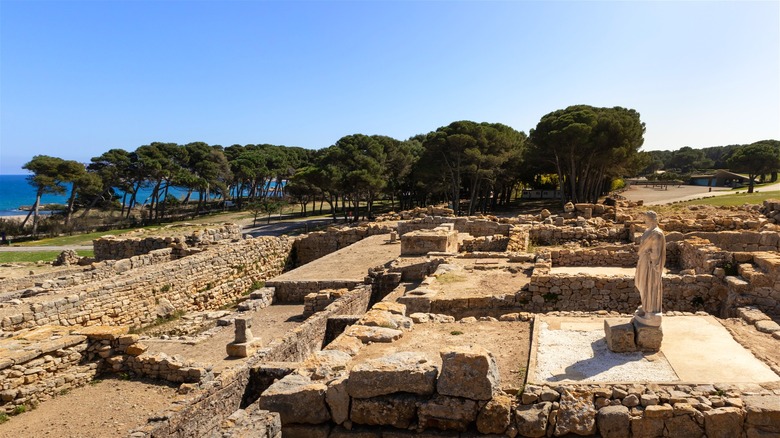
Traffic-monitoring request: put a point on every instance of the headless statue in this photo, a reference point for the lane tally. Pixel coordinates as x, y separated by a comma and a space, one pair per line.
649, 269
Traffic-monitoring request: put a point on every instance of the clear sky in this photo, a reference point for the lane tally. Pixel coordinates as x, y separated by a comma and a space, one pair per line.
79, 78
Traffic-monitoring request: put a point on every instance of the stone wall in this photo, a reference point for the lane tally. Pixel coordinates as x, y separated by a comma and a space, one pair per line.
63, 278
758, 283
294, 292
546, 234
207, 280
497, 243
320, 243
119, 247
223, 396
621, 256
771, 209
741, 240
476, 227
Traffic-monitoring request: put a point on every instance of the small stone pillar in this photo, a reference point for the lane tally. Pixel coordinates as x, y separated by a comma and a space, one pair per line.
588, 213
559, 221
393, 237
244, 343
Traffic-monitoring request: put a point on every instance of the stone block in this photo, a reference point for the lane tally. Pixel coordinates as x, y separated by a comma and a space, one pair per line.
576, 413
398, 410
767, 326
243, 349
422, 242
136, 349
447, 413
469, 372
409, 372
723, 422
613, 422
373, 334
648, 338
495, 416
683, 426
337, 399
326, 364
644, 427
619, 334
390, 306
297, 400
531, 420
763, 413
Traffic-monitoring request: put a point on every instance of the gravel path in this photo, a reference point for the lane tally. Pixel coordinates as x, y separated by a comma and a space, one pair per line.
583, 356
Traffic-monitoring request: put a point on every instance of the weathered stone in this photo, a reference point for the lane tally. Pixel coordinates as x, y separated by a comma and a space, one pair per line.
297, 400
337, 399
164, 308
619, 334
303, 431
495, 416
447, 413
326, 364
347, 344
762, 412
631, 400
767, 326
136, 349
648, 338
469, 372
531, 420
576, 413
644, 427
659, 411
683, 426
373, 334
390, 306
410, 372
723, 422
613, 422
395, 410
379, 318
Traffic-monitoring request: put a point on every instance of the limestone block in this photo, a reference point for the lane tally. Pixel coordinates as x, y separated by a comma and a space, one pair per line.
297, 400
373, 334
763, 412
390, 306
422, 242
648, 338
644, 427
683, 425
576, 413
767, 326
447, 413
410, 372
100, 332
347, 344
531, 420
382, 318
136, 349
337, 399
469, 372
398, 410
326, 364
495, 416
619, 334
723, 422
613, 422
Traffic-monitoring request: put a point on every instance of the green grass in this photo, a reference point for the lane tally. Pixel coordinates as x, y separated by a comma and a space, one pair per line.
736, 199
78, 239
34, 256
450, 277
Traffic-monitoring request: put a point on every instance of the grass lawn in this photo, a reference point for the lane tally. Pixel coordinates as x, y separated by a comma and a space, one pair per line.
34, 256
736, 199
76, 239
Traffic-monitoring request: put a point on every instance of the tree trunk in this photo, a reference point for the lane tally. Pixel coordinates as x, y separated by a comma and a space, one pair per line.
71, 201
35, 213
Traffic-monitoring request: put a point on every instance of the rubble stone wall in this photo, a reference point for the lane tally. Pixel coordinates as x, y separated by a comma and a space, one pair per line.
320, 243
223, 396
119, 247
623, 256
476, 227
207, 280
546, 234
742, 240
294, 292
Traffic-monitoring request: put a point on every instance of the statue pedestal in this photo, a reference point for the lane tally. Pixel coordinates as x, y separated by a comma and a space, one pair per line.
623, 336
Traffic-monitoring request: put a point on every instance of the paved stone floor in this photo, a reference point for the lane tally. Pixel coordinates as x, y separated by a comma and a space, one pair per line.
696, 349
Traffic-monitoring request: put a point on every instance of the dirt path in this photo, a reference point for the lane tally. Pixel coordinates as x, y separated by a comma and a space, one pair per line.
762, 345
108, 408
269, 323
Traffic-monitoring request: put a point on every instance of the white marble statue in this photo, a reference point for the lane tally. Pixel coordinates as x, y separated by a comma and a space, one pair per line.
649, 269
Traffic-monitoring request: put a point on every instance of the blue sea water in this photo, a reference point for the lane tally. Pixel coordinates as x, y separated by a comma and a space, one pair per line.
16, 192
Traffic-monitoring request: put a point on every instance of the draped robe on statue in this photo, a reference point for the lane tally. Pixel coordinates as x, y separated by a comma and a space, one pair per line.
652, 258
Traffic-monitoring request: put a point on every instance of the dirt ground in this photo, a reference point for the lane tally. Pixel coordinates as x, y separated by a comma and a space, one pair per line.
483, 277
268, 324
509, 342
23, 269
108, 408
762, 345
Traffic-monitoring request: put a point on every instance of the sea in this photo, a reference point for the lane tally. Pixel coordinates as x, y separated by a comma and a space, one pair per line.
16, 192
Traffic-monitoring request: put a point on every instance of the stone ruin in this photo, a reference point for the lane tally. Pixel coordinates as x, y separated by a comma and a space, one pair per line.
351, 368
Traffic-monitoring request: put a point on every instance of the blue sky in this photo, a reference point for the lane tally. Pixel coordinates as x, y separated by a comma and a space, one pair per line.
79, 78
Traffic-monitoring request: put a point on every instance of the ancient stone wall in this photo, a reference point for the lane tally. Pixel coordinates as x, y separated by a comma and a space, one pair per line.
320, 243
546, 234
758, 283
476, 227
119, 247
621, 256
207, 280
741, 240
497, 243
222, 397
294, 292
